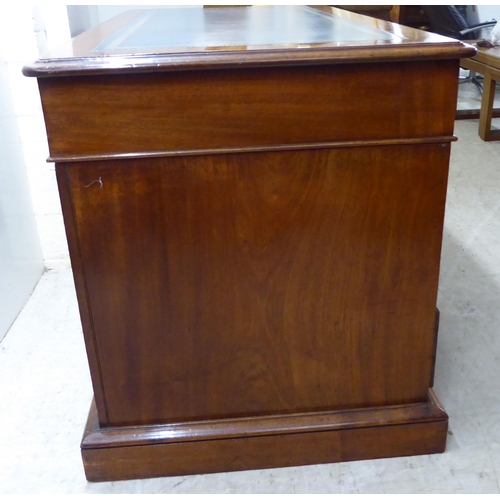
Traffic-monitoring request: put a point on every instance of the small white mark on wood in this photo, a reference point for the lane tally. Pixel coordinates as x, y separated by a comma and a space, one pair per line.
98, 181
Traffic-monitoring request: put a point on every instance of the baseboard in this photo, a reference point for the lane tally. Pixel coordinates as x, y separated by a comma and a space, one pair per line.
117, 453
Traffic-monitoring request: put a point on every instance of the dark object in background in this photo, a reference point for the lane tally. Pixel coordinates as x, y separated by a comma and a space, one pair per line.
450, 20
485, 44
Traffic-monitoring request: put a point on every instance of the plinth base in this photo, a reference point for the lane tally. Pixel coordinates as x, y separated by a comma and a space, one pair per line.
116, 453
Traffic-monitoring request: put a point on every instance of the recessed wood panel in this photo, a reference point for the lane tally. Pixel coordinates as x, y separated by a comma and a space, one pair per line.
240, 108
264, 283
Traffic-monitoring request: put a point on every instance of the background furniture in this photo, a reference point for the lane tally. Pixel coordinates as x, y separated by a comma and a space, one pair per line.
414, 16
254, 204
487, 63
450, 20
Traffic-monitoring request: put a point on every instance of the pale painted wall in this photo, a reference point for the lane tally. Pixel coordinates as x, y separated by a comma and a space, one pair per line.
31, 227
106, 12
84, 17
21, 259
488, 12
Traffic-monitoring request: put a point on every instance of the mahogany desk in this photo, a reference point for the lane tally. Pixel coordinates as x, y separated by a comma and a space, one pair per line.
253, 201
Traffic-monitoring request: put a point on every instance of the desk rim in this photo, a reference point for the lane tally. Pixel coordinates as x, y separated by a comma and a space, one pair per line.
209, 61
76, 57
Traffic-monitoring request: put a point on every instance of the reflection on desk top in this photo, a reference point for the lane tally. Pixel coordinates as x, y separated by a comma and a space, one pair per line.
236, 27
195, 38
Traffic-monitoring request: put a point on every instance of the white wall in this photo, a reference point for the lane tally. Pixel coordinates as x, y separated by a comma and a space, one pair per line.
488, 12
84, 17
31, 226
34, 31
21, 260
482, 13
106, 12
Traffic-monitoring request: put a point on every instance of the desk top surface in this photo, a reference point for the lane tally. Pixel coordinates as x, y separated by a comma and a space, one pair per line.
236, 28
200, 38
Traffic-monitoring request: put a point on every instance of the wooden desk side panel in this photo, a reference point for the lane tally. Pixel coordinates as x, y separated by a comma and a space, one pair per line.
244, 108
264, 283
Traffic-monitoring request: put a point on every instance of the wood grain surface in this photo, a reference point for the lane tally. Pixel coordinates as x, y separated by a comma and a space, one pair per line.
252, 284
359, 434
114, 464
197, 110
255, 235
490, 57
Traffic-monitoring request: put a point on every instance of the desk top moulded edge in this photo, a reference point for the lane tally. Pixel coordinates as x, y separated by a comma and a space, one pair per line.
78, 58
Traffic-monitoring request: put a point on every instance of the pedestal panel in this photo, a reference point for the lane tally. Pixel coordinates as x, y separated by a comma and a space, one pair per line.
256, 284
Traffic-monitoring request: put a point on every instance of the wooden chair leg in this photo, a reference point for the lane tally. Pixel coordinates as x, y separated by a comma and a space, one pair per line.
487, 107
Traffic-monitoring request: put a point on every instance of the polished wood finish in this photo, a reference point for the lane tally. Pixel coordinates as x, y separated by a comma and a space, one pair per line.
79, 58
97, 437
248, 108
474, 114
488, 56
487, 63
300, 439
288, 450
266, 232
255, 235
491, 77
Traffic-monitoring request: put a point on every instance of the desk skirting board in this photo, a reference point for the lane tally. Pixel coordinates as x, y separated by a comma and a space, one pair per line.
267, 442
